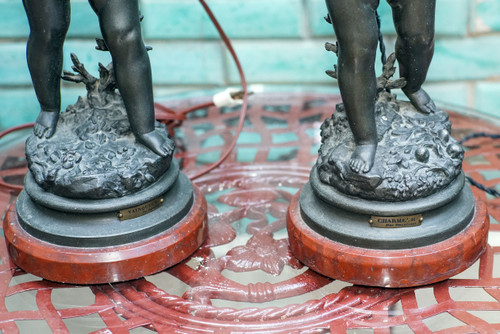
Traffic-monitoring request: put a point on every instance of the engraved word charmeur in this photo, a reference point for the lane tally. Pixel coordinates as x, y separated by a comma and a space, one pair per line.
396, 222
140, 210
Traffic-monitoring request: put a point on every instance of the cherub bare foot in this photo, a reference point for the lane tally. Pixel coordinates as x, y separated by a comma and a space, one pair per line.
157, 142
45, 125
362, 158
422, 101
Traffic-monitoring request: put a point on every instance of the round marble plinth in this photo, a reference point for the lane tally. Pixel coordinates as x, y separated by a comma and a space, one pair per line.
352, 227
97, 265
87, 228
392, 268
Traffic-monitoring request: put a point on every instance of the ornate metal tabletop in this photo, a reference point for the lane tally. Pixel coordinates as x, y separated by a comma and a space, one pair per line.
244, 279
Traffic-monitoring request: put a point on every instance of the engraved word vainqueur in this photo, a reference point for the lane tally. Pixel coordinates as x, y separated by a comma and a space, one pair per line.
140, 210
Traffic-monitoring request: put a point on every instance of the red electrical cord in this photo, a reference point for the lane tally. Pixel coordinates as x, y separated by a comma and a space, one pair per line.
13, 171
174, 119
16, 128
244, 107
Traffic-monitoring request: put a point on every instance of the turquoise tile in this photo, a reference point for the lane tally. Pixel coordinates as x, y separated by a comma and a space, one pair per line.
316, 11
327, 88
212, 198
490, 174
181, 63
87, 54
208, 157
84, 22
466, 59
279, 138
17, 106
175, 19
13, 21
14, 24
172, 94
13, 67
486, 16
246, 154
447, 95
487, 99
187, 63
319, 27
314, 149
451, 18
214, 141
70, 93
450, 94
282, 153
284, 62
249, 138
313, 133
281, 61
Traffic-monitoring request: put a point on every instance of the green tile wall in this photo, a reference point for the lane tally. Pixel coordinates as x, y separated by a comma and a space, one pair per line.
451, 17
486, 16
177, 19
280, 42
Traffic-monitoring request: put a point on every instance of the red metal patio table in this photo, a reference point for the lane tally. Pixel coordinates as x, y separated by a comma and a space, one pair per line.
244, 278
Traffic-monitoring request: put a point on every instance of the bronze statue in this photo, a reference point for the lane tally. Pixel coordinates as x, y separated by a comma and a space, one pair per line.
388, 182
105, 181
120, 25
355, 26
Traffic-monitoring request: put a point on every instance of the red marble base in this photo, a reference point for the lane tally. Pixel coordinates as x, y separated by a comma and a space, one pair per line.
388, 268
108, 264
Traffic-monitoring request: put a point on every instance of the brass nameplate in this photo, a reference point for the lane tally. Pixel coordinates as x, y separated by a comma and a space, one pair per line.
395, 222
140, 210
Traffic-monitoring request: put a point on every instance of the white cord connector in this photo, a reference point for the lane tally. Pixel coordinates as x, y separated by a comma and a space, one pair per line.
231, 97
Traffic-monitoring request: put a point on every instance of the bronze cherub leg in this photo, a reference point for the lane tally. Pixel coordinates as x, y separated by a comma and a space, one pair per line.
414, 22
120, 26
49, 22
355, 26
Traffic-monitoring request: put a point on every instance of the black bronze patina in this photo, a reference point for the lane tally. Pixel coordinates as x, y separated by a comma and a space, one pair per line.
93, 154
382, 157
376, 147
105, 154
415, 157
120, 25
355, 26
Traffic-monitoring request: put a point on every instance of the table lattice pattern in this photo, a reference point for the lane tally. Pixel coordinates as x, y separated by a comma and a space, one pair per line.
244, 278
